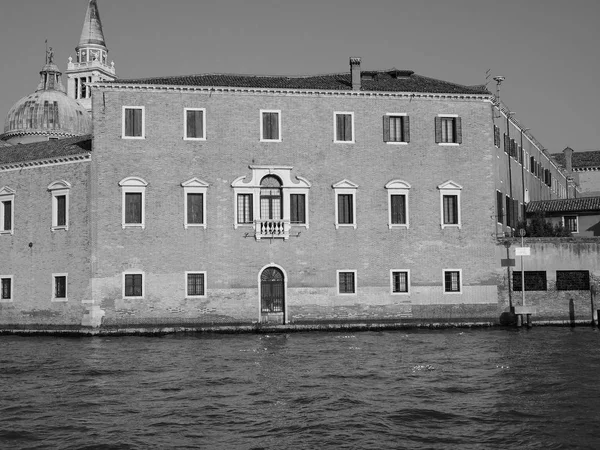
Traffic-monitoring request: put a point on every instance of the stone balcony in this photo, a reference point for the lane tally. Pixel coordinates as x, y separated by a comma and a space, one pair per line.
272, 229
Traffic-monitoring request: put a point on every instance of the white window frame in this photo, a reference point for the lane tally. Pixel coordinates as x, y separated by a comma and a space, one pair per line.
460, 281
57, 189
133, 272
194, 272
143, 136
337, 282
397, 115
449, 144
450, 188
133, 185
66, 297
407, 271
353, 140
576, 222
185, 136
194, 186
345, 187
12, 289
278, 111
7, 194
398, 187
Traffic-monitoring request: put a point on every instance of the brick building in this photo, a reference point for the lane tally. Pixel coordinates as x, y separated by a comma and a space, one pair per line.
358, 196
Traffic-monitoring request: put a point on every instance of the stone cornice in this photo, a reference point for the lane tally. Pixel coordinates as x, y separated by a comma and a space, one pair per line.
58, 160
285, 91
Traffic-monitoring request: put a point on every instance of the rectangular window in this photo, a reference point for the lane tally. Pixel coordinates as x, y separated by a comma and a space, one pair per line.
244, 209
450, 209
346, 282
298, 208
572, 280
398, 203
270, 126
6, 213
133, 285
345, 209
499, 207
195, 284
6, 288
344, 127
448, 130
400, 282
508, 212
496, 136
452, 282
133, 207
534, 281
194, 123
195, 209
61, 210
570, 223
60, 287
396, 128
133, 122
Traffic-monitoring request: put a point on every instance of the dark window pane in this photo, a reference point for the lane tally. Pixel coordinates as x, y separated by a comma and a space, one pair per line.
133, 285
450, 209
195, 284
60, 287
343, 127
195, 124
452, 281
133, 207
297, 208
398, 209
245, 208
6, 288
7, 207
400, 281
346, 282
133, 122
61, 210
345, 209
534, 281
572, 280
271, 125
195, 208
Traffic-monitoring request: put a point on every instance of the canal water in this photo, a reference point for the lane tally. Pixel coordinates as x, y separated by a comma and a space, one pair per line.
467, 389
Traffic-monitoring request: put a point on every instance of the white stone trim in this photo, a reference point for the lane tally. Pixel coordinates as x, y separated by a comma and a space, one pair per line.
407, 271
57, 189
193, 272
66, 297
337, 282
278, 111
123, 136
335, 114
133, 185
194, 186
345, 187
12, 289
450, 188
185, 137
460, 281
7, 194
398, 187
133, 272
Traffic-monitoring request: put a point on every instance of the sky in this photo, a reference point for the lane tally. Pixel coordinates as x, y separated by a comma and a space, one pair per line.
548, 50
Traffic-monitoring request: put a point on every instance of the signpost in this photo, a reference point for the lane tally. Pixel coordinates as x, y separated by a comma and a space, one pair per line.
523, 251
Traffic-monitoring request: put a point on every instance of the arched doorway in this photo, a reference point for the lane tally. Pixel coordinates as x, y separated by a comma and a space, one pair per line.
272, 295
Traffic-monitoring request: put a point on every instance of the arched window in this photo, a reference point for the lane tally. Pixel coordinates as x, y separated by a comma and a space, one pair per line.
270, 198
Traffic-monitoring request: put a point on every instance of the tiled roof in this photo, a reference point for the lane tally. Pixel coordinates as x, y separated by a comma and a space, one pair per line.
580, 204
580, 159
392, 80
55, 148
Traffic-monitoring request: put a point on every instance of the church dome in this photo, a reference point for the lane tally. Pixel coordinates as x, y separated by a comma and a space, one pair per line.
46, 113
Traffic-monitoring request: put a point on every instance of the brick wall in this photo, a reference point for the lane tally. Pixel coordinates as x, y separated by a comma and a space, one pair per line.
164, 250
34, 252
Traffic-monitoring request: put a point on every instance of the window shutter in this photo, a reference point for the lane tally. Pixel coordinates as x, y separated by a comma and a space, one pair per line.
345, 214
438, 129
499, 208
406, 126
274, 125
458, 125
61, 210
137, 114
195, 208
199, 124
398, 209
339, 118
386, 128
133, 208
266, 123
129, 119
190, 125
347, 127
297, 208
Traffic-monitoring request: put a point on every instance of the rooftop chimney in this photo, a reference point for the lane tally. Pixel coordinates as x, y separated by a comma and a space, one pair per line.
568, 160
355, 72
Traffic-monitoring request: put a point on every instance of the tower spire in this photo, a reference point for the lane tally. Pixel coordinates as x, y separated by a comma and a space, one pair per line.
91, 62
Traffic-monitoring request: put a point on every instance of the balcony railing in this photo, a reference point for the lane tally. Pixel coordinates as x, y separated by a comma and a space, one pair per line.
270, 229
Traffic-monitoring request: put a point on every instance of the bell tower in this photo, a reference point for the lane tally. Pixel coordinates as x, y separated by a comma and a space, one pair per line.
91, 59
